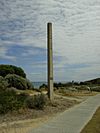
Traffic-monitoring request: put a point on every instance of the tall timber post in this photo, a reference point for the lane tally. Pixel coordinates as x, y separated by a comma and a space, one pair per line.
50, 61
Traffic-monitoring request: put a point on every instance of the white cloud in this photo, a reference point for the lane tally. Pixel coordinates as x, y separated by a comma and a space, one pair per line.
76, 28
3, 54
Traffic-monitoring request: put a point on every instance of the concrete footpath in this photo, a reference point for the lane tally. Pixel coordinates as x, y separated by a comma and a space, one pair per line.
72, 120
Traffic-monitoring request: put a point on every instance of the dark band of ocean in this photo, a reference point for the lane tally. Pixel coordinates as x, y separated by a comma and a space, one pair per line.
38, 84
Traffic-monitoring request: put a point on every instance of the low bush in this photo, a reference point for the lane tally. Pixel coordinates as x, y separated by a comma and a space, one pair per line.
30, 102
18, 82
62, 90
36, 102
97, 89
39, 101
7, 101
3, 84
22, 97
10, 101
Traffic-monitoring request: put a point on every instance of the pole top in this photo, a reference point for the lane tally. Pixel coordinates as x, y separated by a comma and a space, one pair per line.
49, 23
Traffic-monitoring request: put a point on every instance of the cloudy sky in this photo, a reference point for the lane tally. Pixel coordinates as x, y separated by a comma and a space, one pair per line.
76, 37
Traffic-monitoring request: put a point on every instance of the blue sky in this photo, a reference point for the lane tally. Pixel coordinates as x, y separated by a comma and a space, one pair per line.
76, 37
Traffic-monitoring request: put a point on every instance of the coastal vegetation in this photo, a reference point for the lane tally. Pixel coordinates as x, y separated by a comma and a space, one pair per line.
12, 79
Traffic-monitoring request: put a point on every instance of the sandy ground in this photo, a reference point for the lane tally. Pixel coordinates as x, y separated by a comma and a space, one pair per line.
23, 126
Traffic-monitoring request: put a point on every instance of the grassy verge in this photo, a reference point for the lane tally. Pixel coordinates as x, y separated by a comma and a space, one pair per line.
94, 124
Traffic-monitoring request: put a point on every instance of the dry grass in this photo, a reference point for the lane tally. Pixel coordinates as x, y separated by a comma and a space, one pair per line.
29, 92
94, 124
78, 94
15, 130
22, 126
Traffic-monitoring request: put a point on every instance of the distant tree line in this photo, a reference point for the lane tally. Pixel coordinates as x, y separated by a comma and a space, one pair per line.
73, 83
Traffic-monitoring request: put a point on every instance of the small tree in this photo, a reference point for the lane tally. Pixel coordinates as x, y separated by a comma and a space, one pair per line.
10, 69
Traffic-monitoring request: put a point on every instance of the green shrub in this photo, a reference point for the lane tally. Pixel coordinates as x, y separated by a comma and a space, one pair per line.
19, 71
39, 101
10, 101
36, 102
11, 89
43, 86
3, 84
18, 82
97, 89
22, 97
10, 69
7, 101
30, 102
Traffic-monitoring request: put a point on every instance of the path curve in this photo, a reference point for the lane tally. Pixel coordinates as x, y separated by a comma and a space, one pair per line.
72, 120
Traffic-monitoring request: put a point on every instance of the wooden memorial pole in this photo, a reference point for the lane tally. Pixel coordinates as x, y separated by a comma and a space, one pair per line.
50, 61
